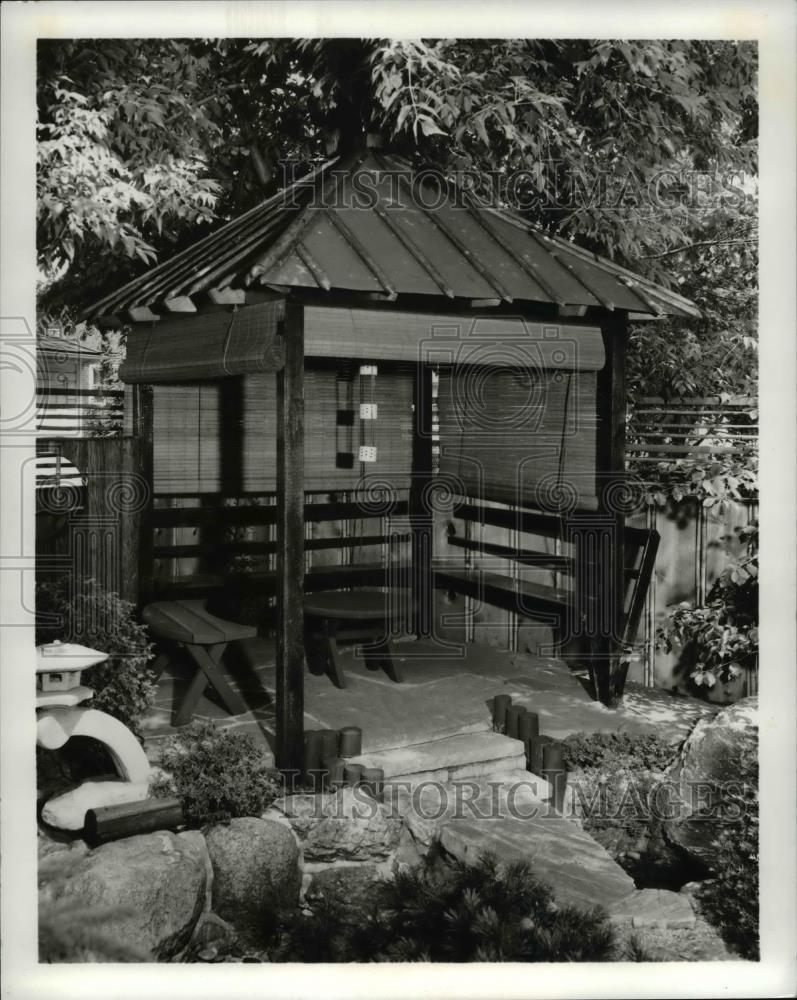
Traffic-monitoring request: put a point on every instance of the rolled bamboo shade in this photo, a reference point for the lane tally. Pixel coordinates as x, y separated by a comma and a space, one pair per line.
221, 436
209, 345
247, 340
518, 436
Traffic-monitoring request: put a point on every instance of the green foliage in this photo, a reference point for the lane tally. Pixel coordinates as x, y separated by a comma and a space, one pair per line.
617, 751
636, 951
622, 771
643, 150
731, 899
715, 483
141, 140
715, 356
72, 930
217, 774
720, 638
483, 913
124, 685
124, 136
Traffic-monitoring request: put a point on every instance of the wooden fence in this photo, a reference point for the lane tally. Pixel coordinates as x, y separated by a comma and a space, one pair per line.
67, 412
697, 541
100, 538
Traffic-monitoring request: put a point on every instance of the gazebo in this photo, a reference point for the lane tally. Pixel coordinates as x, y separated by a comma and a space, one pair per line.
427, 364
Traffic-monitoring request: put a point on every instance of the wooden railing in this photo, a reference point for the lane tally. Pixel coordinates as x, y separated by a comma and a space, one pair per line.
212, 544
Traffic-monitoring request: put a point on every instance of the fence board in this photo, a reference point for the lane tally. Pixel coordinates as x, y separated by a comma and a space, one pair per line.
102, 540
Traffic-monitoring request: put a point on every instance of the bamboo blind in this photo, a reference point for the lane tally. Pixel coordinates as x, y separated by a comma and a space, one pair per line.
221, 436
526, 437
206, 346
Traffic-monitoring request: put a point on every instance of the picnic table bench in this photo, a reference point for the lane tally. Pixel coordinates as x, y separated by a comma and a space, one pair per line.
188, 626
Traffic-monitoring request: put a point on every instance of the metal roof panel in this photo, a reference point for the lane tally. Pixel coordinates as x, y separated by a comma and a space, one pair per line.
394, 233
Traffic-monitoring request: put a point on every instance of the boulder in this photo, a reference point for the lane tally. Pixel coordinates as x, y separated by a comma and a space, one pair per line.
256, 870
410, 853
152, 886
716, 768
68, 811
345, 826
59, 852
427, 808
351, 886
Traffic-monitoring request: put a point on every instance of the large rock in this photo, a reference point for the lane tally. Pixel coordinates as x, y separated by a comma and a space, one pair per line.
255, 869
345, 826
350, 886
717, 762
160, 878
68, 811
427, 807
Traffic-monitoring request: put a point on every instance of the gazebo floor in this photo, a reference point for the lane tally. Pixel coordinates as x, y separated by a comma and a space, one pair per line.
444, 693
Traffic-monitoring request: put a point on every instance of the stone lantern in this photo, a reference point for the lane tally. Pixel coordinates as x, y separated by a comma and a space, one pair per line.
60, 716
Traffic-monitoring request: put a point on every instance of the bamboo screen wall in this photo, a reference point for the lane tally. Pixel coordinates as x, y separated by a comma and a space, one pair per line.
221, 436
520, 436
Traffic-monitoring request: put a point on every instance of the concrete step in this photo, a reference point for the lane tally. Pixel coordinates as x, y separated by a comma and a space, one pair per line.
455, 757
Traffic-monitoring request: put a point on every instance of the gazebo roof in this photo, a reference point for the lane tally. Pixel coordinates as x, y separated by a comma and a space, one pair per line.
374, 227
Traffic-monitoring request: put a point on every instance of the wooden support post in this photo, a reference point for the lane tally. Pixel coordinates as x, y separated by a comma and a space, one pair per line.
143, 428
290, 544
421, 513
608, 672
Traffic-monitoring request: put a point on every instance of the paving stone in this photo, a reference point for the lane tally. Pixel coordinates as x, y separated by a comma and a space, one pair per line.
428, 807
578, 869
654, 908
442, 696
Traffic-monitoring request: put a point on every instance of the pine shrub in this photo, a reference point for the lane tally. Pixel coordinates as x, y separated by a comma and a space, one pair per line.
487, 912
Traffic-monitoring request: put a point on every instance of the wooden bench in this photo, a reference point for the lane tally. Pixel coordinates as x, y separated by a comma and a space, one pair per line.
188, 626
557, 603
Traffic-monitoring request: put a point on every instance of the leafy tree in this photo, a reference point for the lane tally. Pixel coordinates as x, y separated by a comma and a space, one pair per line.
644, 150
143, 142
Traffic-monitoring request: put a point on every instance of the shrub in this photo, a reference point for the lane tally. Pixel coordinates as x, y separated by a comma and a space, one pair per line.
730, 901
720, 639
123, 685
482, 913
618, 751
217, 774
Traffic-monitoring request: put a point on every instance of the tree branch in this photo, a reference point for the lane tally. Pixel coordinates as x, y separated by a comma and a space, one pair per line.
702, 243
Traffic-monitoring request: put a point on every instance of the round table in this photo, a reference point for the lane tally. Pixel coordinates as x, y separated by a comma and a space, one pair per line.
345, 615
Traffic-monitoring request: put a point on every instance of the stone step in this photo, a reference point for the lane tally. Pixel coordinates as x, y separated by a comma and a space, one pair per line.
508, 813
455, 757
577, 868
